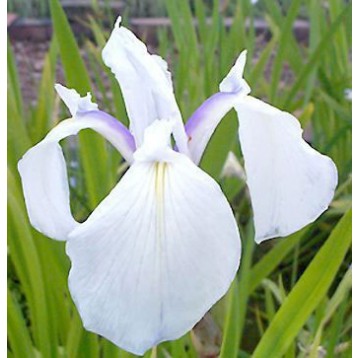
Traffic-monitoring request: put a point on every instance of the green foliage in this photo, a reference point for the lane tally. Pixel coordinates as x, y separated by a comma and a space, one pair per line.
291, 297
307, 293
29, 8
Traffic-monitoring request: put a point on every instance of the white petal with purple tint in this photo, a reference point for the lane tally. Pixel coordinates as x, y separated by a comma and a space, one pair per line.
145, 83
156, 254
202, 124
290, 183
44, 175
74, 102
234, 82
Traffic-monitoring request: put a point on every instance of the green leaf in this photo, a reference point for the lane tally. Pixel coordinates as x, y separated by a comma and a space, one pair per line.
13, 78
28, 267
273, 258
220, 144
19, 338
238, 297
331, 308
18, 138
74, 336
307, 293
230, 344
93, 151
316, 55
41, 120
75, 70
286, 36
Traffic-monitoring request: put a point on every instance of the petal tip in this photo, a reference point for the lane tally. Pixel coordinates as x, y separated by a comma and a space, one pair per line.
118, 22
242, 58
74, 102
234, 81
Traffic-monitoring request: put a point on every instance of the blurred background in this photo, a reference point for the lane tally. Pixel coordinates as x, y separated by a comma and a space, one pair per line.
292, 296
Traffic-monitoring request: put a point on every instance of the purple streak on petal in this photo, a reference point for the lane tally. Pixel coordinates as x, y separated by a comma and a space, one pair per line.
114, 131
121, 129
201, 125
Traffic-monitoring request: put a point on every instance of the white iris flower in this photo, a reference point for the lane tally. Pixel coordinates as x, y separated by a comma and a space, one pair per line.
164, 246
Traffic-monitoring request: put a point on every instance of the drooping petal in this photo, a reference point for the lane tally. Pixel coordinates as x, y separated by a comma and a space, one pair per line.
290, 183
156, 254
202, 124
43, 169
145, 83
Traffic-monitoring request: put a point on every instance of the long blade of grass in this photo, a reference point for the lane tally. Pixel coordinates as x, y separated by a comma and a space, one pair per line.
238, 297
23, 247
18, 334
18, 138
273, 258
41, 120
280, 56
339, 295
74, 67
92, 148
307, 293
230, 344
13, 78
316, 55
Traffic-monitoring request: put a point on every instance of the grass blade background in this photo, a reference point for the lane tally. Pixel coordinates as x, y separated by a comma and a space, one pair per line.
307, 293
92, 147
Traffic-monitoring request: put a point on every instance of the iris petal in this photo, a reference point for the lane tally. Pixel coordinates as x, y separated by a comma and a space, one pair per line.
290, 183
43, 168
155, 255
202, 124
145, 83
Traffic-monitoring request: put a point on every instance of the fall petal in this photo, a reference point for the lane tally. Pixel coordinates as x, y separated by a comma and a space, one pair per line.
155, 255
43, 169
290, 183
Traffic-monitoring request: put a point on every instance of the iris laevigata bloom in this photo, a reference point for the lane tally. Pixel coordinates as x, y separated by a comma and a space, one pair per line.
164, 246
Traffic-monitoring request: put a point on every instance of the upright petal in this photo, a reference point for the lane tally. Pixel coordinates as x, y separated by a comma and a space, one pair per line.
290, 183
145, 83
202, 124
43, 168
156, 254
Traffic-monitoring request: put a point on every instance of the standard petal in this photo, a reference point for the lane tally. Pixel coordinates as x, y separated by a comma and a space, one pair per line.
145, 83
44, 175
202, 124
155, 255
290, 183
